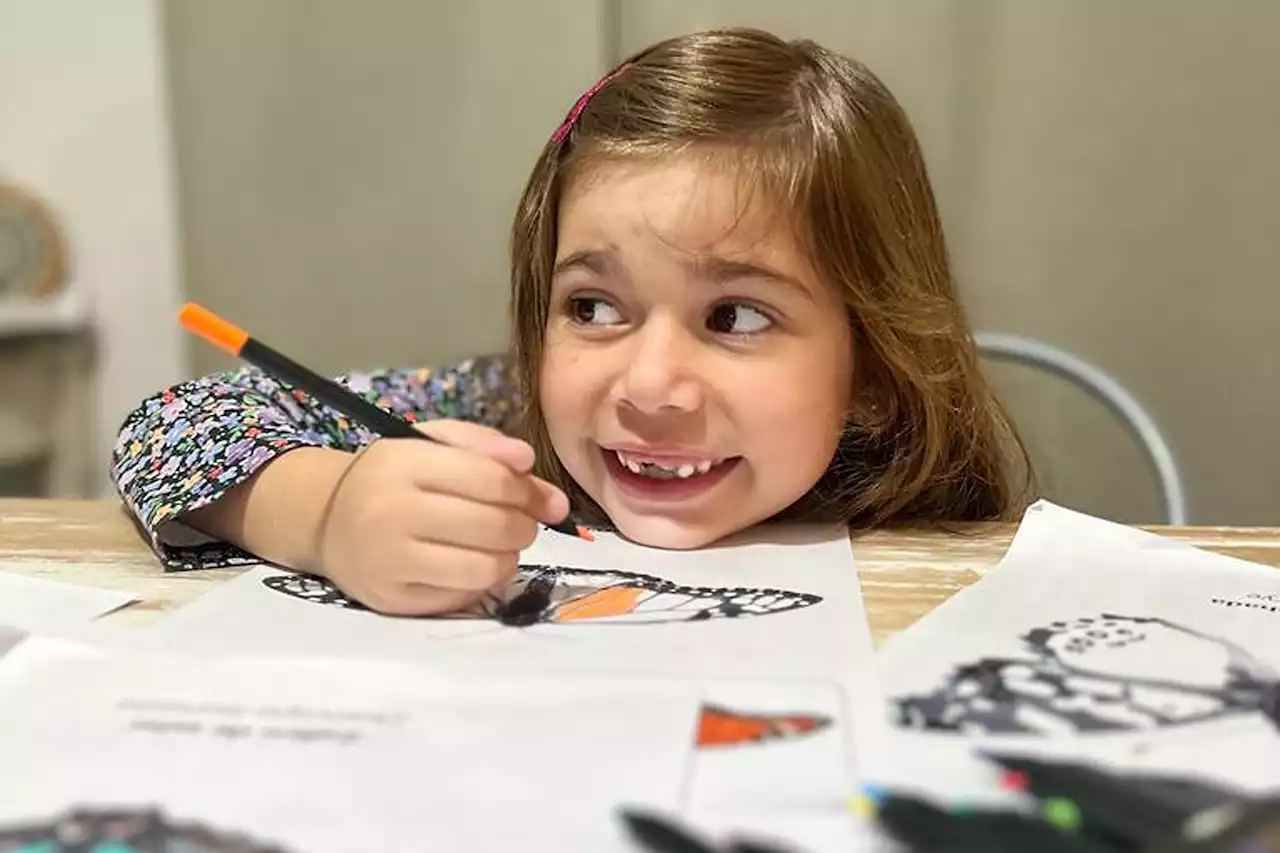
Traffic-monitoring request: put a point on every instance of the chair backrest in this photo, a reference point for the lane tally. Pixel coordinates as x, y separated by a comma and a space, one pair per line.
1102, 387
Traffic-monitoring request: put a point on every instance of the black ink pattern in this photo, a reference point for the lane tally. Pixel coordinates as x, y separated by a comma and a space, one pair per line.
541, 594
1100, 674
1265, 602
125, 831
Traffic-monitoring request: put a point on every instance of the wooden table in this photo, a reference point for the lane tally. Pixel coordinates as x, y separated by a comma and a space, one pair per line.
904, 574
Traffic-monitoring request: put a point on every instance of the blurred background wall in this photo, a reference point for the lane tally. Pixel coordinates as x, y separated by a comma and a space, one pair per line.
84, 131
344, 176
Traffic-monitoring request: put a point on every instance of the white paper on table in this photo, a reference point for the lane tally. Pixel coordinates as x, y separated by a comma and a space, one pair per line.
326, 757
799, 646
38, 604
1092, 640
797, 597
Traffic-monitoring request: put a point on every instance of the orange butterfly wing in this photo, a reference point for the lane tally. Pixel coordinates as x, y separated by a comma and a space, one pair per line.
719, 726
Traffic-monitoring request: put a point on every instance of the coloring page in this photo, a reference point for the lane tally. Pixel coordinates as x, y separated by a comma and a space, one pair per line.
238, 755
1096, 638
769, 626
607, 605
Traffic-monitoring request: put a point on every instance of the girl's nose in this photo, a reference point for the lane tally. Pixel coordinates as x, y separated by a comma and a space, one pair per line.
661, 374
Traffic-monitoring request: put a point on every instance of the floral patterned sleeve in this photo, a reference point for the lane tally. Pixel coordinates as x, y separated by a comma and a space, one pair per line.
185, 446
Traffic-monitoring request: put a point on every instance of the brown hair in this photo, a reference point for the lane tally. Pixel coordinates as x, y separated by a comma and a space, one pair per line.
821, 135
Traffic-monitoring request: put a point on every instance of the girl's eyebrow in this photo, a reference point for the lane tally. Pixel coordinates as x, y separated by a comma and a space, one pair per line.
598, 261
721, 270
713, 268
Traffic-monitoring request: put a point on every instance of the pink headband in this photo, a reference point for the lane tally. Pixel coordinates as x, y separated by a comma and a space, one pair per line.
567, 125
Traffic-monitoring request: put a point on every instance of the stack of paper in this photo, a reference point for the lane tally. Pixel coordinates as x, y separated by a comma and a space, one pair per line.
769, 628
734, 686
723, 685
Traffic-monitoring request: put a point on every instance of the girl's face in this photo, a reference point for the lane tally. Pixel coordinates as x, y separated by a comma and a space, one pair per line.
696, 373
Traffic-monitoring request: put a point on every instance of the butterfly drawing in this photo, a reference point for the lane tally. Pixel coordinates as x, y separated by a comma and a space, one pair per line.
543, 594
719, 726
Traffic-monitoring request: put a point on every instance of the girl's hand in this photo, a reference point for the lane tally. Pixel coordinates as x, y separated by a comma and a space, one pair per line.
415, 527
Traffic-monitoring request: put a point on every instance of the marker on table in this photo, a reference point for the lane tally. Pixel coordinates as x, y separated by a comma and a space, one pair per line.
923, 826
1125, 809
236, 341
1084, 809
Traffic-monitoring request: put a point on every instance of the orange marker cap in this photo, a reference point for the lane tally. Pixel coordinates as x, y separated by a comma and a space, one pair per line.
211, 327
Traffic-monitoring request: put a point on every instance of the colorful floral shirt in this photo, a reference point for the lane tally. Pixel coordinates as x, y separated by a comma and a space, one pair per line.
185, 446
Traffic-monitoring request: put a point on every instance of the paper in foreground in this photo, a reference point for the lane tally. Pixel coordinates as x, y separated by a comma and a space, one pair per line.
763, 641
249, 755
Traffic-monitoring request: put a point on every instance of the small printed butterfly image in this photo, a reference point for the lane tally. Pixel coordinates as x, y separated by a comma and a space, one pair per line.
719, 727
557, 595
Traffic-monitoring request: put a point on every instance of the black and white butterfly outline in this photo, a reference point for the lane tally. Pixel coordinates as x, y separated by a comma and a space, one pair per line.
547, 594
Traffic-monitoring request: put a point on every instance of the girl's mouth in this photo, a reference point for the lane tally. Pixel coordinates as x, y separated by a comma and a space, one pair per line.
666, 478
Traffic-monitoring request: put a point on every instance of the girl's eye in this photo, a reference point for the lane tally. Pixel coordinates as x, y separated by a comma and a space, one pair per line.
593, 312
737, 318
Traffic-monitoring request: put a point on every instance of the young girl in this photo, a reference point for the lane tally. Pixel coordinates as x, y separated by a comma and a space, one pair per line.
731, 303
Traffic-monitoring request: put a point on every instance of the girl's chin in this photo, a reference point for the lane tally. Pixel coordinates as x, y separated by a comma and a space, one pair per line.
664, 533
668, 532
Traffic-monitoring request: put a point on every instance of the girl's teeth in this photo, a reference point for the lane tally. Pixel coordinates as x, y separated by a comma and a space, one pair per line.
652, 469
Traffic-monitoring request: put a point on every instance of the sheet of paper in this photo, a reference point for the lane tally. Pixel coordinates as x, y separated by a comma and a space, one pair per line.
1092, 639
38, 604
604, 606
767, 625
312, 756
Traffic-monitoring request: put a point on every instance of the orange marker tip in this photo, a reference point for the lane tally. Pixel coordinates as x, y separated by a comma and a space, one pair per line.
586, 534
211, 327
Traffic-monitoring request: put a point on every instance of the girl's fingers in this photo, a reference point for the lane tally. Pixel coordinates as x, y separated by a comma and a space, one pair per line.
414, 599
451, 567
550, 504
513, 453
435, 468
463, 523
